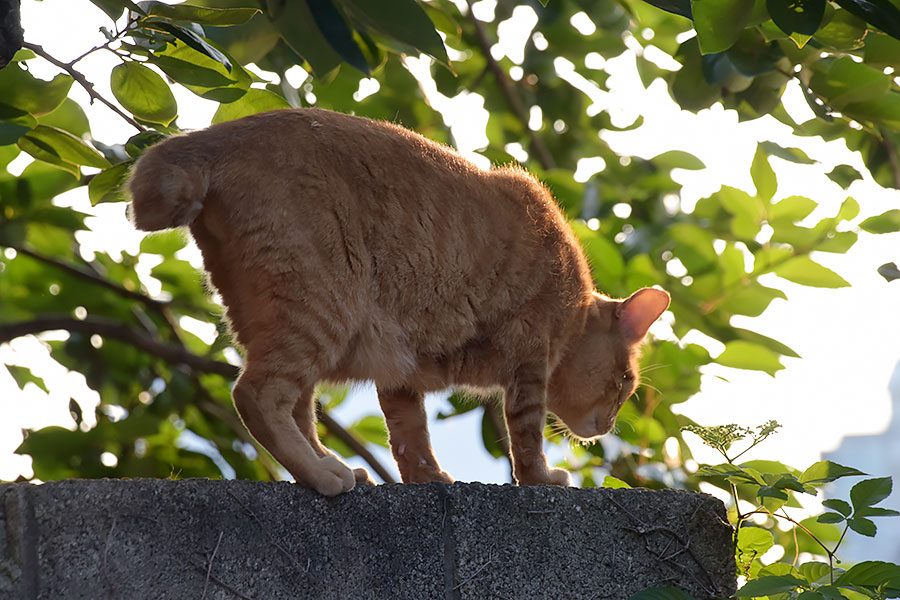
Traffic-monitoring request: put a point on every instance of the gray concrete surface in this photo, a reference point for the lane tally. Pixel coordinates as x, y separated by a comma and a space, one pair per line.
204, 539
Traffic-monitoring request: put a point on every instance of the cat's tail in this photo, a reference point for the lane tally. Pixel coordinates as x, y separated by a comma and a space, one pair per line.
169, 184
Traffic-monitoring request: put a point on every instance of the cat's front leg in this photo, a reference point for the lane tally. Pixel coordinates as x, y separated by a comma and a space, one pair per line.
404, 413
526, 413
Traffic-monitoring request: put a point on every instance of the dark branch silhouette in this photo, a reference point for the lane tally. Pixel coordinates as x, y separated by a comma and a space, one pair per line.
175, 354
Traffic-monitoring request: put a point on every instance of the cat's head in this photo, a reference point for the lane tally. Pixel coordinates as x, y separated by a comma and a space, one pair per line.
598, 371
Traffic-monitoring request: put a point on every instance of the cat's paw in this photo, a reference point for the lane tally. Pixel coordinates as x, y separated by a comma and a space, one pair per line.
332, 477
560, 477
362, 476
426, 474
545, 476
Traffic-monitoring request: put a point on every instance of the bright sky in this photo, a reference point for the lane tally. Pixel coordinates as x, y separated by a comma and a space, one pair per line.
849, 338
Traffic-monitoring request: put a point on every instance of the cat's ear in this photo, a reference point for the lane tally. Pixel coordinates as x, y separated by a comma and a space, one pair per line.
638, 312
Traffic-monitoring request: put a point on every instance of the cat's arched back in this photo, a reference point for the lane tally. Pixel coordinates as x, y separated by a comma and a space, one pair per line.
346, 248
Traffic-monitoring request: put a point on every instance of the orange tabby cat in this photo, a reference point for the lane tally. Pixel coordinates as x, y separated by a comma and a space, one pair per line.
350, 249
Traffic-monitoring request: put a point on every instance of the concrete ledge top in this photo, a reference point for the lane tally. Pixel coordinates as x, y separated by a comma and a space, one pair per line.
198, 538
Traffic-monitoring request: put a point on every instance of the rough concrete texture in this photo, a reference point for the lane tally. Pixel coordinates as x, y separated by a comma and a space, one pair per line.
156, 539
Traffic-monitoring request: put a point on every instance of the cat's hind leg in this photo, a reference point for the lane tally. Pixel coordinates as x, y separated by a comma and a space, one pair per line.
404, 412
304, 414
266, 404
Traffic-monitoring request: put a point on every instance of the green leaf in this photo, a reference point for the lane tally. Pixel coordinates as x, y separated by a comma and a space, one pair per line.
862, 526
751, 300
42, 151
68, 147
881, 50
797, 16
332, 25
719, 23
791, 209
886, 222
849, 209
754, 541
605, 258
14, 123
825, 471
201, 74
838, 505
295, 23
405, 22
874, 511
830, 517
19, 89
870, 492
814, 570
795, 155
678, 159
143, 93
138, 143
803, 270
661, 593
191, 39
690, 87
763, 175
372, 429
770, 585
23, 375
68, 116
844, 175
848, 82
202, 15
845, 31
106, 186
254, 101
115, 8
616, 484
739, 354
871, 574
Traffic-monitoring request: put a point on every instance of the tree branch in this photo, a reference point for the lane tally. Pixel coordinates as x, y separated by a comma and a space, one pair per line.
119, 331
348, 438
82, 80
541, 152
92, 277
173, 354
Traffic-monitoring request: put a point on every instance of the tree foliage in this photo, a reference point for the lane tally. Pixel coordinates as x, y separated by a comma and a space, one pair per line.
158, 381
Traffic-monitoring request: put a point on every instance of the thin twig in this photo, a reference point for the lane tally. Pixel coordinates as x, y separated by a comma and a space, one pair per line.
268, 535
82, 80
119, 331
209, 569
541, 152
477, 571
93, 278
218, 581
105, 554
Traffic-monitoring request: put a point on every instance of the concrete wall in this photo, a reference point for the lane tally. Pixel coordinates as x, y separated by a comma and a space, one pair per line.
203, 539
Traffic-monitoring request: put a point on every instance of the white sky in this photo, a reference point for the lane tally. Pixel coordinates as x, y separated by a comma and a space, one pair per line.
849, 338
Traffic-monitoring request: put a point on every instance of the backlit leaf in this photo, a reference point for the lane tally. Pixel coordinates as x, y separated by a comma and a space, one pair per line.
805, 271
201, 14
739, 354
406, 22
870, 492
825, 471
770, 585
886, 222
143, 93
254, 101
719, 22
